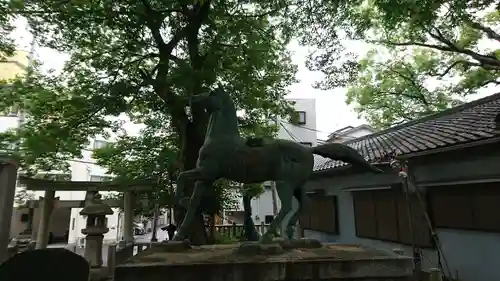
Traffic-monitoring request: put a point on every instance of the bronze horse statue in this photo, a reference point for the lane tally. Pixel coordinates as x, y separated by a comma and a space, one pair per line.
225, 154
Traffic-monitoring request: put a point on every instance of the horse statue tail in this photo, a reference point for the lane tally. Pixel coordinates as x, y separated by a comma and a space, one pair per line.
342, 152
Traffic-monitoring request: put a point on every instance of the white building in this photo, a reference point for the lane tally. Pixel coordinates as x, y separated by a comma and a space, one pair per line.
305, 130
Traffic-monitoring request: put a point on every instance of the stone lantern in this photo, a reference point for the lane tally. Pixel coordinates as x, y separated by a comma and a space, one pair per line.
95, 229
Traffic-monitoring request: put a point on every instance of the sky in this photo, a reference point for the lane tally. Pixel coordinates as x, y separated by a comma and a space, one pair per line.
332, 113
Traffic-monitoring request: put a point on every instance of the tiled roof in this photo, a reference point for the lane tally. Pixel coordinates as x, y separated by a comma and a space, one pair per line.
466, 123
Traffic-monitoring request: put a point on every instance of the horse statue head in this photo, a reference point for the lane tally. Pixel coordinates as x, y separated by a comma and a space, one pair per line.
217, 99
223, 120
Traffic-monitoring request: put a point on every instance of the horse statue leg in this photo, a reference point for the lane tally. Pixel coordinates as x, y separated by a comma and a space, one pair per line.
287, 228
303, 203
200, 186
285, 194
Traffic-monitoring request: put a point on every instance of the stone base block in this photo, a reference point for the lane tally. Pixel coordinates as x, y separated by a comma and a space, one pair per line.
257, 262
171, 246
256, 248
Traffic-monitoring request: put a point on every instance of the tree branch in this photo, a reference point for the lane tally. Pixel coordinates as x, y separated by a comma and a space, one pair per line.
490, 33
264, 14
199, 15
486, 62
401, 94
419, 96
154, 22
453, 65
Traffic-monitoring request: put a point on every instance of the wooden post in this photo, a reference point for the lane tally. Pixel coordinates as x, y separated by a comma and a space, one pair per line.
128, 217
42, 238
8, 177
435, 274
233, 234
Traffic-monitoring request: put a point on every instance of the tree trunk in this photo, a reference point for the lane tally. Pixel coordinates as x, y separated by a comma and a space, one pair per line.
191, 144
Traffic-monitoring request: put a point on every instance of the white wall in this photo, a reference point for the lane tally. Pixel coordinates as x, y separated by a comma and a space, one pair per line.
301, 133
7, 123
263, 206
473, 255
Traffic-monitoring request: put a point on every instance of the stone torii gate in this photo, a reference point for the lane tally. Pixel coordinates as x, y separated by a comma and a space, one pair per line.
48, 201
8, 176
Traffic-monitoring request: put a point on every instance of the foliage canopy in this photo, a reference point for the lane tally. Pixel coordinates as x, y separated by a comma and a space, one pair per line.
425, 55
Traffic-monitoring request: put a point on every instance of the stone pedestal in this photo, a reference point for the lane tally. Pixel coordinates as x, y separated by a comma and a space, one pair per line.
93, 249
95, 229
305, 261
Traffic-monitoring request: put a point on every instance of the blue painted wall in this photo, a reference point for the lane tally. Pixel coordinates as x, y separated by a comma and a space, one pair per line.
474, 256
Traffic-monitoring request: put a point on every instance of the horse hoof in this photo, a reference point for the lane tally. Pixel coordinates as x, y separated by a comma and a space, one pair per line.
266, 240
178, 238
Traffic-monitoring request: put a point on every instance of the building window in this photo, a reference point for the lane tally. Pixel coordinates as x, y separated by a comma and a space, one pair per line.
467, 207
383, 215
73, 221
298, 118
321, 215
306, 143
99, 144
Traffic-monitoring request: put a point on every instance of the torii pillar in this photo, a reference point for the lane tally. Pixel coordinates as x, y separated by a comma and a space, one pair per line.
8, 177
128, 218
42, 237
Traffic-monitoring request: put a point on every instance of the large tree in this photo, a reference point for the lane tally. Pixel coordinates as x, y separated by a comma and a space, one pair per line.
143, 58
425, 55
